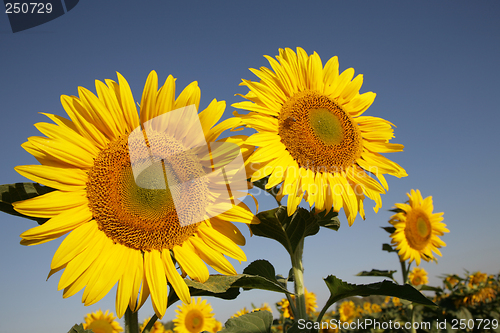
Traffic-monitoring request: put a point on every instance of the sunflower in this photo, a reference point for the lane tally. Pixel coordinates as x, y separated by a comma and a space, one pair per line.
417, 229
217, 327
451, 281
195, 317
418, 276
100, 322
477, 278
396, 301
157, 326
240, 313
347, 311
376, 308
119, 177
263, 307
367, 307
312, 137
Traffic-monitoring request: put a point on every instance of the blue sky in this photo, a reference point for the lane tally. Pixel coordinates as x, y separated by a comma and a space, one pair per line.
433, 65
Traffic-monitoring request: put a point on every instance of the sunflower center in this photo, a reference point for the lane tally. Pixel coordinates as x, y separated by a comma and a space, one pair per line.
194, 321
326, 126
318, 133
131, 197
418, 230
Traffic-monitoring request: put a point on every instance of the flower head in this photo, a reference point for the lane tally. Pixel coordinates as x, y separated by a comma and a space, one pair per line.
348, 311
100, 322
312, 136
195, 317
417, 229
134, 191
418, 276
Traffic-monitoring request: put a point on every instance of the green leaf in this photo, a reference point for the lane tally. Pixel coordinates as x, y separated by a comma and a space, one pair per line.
377, 272
10, 193
340, 289
260, 274
227, 286
270, 227
388, 248
255, 322
431, 288
329, 220
390, 230
288, 230
79, 329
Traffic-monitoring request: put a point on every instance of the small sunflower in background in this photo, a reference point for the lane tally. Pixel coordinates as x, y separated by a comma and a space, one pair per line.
263, 307
417, 229
348, 311
100, 322
312, 136
217, 327
195, 317
477, 278
396, 301
157, 326
240, 313
120, 231
418, 276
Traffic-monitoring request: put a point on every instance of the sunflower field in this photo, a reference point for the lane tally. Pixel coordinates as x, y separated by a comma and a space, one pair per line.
148, 195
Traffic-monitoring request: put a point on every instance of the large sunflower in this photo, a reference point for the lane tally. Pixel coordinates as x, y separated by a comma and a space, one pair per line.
135, 191
100, 322
195, 317
312, 136
417, 229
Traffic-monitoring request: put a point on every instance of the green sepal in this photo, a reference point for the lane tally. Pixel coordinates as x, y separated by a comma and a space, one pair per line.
79, 329
390, 230
328, 220
255, 322
388, 248
227, 286
10, 193
340, 289
288, 230
377, 272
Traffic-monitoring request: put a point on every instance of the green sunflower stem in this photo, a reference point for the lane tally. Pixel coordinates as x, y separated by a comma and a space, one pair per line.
298, 279
404, 270
412, 309
131, 321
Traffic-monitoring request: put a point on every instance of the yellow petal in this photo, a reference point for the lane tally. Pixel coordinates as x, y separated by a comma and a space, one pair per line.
157, 281
177, 282
77, 241
221, 243
215, 259
62, 223
148, 101
64, 179
51, 204
191, 263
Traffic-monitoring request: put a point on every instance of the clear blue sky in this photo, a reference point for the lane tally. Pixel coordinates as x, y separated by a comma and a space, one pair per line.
434, 67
